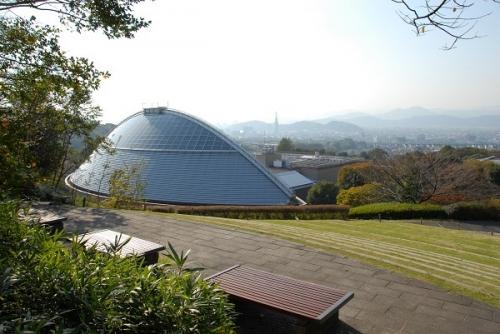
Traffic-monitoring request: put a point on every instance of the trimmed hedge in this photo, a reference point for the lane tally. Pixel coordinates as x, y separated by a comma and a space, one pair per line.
484, 210
393, 210
306, 212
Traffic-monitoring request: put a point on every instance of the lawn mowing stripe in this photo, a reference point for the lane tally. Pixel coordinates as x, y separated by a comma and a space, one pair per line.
382, 236
413, 266
423, 263
353, 227
479, 269
383, 252
458, 286
485, 267
421, 256
444, 259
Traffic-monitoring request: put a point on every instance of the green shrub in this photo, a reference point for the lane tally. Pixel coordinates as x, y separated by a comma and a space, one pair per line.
49, 287
394, 210
323, 192
478, 210
260, 212
356, 196
353, 175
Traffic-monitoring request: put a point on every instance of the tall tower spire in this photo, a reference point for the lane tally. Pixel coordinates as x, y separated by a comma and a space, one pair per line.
276, 125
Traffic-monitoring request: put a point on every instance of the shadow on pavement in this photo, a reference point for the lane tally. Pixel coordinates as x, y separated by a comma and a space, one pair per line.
81, 220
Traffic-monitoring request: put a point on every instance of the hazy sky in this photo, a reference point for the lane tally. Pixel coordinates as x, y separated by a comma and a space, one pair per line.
227, 60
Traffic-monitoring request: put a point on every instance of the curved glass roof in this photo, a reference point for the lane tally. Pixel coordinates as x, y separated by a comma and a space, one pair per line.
165, 131
182, 160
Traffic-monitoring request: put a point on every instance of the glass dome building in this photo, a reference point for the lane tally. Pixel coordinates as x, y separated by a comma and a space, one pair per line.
182, 160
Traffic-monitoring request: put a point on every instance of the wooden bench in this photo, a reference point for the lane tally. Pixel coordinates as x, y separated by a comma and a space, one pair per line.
51, 220
313, 308
101, 240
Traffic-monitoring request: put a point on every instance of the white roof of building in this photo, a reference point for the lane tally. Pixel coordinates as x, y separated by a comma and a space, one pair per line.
293, 179
492, 159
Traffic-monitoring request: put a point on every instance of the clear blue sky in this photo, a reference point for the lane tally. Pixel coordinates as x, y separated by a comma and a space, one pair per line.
226, 60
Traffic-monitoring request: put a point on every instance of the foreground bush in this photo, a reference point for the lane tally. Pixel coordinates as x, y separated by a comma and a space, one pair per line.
479, 210
354, 175
261, 212
47, 286
323, 192
356, 196
394, 210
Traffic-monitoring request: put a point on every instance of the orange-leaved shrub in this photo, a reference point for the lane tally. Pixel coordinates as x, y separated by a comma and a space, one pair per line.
353, 175
361, 195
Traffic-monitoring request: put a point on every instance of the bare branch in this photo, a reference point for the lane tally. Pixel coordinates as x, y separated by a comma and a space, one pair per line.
454, 18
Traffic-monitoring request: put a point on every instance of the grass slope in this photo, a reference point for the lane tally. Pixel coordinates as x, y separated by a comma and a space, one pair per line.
464, 262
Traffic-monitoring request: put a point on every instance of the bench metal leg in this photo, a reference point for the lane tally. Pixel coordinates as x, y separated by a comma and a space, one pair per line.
151, 258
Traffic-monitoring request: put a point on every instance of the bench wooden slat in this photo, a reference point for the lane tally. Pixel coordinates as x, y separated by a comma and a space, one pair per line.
286, 294
286, 281
276, 291
41, 216
135, 246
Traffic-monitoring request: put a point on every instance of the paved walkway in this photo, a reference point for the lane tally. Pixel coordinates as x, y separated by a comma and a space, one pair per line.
384, 302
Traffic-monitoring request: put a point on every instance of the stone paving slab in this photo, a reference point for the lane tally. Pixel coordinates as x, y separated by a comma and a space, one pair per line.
384, 302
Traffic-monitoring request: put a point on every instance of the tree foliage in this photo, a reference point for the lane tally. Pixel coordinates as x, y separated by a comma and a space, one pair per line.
323, 192
126, 187
113, 17
45, 95
353, 175
45, 101
285, 145
416, 177
47, 286
360, 195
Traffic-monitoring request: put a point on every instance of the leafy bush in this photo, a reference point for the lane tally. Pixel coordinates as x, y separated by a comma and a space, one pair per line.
478, 210
260, 212
356, 196
323, 192
285, 145
394, 210
46, 286
353, 175
126, 188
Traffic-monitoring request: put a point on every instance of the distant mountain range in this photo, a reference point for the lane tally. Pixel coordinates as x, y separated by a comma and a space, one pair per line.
418, 117
301, 128
354, 122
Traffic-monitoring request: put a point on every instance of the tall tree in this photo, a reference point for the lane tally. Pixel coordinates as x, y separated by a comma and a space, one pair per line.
418, 176
285, 145
114, 18
45, 95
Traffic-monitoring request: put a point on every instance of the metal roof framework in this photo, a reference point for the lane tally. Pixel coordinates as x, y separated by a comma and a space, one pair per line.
185, 161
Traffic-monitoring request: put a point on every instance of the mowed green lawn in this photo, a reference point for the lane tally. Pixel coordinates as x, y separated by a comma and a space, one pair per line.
464, 262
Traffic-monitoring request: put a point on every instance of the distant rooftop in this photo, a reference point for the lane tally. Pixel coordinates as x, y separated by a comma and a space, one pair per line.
311, 161
292, 179
493, 159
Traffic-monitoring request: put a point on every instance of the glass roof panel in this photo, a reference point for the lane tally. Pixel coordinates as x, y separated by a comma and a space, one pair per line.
165, 132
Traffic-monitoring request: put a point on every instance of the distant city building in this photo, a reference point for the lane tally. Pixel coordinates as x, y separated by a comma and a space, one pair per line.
494, 159
315, 167
184, 161
295, 181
